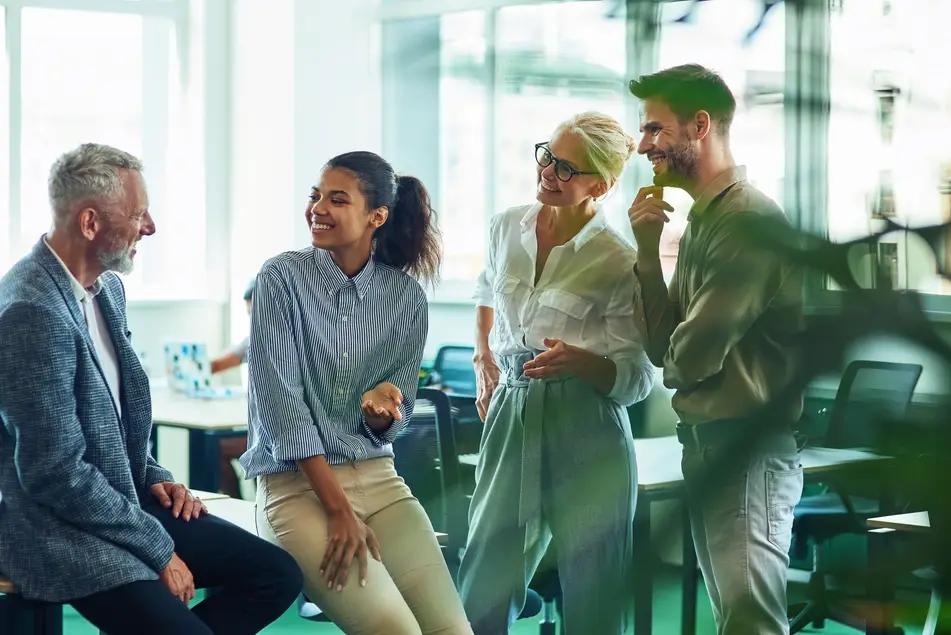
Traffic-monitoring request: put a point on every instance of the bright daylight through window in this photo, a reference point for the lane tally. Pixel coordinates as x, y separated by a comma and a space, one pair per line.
121, 84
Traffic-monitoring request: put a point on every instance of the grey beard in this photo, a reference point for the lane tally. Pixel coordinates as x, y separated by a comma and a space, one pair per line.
119, 260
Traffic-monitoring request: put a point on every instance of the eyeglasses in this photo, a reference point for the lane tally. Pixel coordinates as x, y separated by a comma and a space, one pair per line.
563, 171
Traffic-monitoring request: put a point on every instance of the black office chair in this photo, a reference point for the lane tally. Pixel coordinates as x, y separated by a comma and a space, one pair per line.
544, 597
869, 394
453, 370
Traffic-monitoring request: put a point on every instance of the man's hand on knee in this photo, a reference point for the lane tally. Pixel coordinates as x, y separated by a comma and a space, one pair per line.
178, 579
179, 499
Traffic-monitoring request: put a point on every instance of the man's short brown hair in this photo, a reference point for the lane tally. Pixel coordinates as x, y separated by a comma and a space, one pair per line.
688, 89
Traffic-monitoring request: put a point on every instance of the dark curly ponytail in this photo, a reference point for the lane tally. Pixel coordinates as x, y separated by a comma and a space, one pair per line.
409, 239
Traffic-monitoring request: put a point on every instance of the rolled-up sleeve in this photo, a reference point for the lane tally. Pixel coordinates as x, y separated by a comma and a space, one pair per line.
739, 282
406, 375
275, 386
484, 294
634, 372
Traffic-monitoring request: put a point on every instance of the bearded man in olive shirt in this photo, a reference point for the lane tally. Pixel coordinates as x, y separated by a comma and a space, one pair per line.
721, 333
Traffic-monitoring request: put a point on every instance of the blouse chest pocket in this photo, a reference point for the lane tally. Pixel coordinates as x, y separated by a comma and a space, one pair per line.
506, 303
561, 315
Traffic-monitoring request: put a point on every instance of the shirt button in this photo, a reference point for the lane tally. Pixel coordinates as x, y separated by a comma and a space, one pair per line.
345, 355
340, 391
344, 318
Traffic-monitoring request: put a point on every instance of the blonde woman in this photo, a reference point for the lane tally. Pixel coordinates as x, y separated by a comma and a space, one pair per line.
558, 360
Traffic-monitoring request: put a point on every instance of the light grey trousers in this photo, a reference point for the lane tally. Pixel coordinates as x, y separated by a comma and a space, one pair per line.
556, 467
741, 511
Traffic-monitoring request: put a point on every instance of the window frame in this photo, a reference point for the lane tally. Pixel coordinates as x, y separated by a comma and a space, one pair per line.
643, 27
806, 114
215, 88
811, 81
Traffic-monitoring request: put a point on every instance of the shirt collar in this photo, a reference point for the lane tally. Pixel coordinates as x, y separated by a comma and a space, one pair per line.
725, 179
591, 229
335, 279
79, 291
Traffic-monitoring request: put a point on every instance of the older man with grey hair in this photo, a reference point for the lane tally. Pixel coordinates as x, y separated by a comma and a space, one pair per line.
87, 516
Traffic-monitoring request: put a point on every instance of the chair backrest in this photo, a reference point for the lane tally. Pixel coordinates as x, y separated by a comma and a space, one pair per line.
453, 369
870, 394
427, 459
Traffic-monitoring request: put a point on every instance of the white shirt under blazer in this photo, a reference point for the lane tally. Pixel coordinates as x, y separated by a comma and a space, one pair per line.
587, 296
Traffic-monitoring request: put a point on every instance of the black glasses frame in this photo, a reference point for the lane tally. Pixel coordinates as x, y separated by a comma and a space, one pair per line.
560, 164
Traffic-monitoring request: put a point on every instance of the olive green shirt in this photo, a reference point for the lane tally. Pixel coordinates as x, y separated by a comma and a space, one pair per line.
723, 329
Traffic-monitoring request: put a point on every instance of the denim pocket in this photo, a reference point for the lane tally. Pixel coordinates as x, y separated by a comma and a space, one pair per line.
783, 491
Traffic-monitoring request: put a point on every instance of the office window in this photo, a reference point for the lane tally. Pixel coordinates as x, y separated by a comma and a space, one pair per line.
721, 36
554, 61
507, 77
92, 94
464, 96
131, 80
890, 135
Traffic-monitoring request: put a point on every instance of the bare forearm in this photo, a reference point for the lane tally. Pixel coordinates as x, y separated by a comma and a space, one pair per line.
225, 362
484, 317
660, 314
324, 483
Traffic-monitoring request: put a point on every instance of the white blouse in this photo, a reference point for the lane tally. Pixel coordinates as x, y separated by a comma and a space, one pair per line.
585, 296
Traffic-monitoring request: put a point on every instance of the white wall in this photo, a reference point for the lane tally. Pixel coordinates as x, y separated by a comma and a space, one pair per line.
305, 86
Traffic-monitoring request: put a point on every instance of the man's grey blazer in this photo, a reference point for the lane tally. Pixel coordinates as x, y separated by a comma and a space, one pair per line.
73, 473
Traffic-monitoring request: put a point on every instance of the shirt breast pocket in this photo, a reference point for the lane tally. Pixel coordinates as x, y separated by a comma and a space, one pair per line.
561, 315
506, 303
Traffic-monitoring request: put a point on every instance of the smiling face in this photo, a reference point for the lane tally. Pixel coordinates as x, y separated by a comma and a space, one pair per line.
124, 225
337, 212
668, 145
568, 148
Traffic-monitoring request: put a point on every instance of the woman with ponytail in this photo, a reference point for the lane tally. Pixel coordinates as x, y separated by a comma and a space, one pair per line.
337, 336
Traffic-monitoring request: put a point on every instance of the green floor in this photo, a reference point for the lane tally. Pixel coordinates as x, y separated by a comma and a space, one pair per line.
666, 617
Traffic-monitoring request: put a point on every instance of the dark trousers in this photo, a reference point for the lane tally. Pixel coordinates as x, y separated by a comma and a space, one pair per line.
254, 582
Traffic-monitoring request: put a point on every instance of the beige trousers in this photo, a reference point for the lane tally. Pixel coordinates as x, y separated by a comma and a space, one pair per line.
410, 593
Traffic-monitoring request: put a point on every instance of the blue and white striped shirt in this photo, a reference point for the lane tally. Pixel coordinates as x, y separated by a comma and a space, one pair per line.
319, 341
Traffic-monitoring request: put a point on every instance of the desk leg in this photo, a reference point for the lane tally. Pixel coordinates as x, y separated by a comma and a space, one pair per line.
643, 568
688, 618
936, 622
203, 460
881, 590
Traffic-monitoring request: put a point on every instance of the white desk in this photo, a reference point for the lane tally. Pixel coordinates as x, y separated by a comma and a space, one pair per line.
235, 511
881, 587
174, 409
207, 496
914, 522
658, 462
177, 410
207, 421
